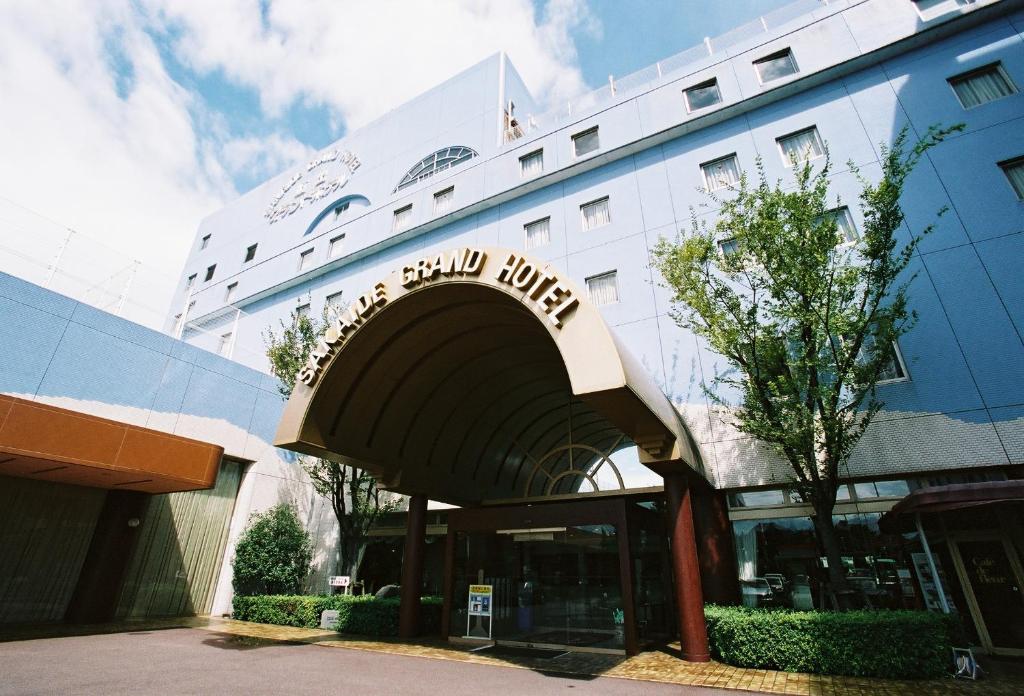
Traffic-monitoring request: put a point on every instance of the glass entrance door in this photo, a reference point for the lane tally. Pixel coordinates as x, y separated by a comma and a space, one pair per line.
995, 591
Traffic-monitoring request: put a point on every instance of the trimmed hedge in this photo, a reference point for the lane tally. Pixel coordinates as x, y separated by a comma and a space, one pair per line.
894, 644
363, 615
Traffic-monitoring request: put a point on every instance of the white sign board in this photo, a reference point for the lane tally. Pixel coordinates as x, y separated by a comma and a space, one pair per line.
479, 613
339, 580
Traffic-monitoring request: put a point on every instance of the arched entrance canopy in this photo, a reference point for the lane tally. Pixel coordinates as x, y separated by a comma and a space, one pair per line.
479, 374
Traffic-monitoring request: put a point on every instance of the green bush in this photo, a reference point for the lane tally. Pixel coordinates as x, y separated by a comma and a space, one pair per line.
894, 644
273, 554
364, 615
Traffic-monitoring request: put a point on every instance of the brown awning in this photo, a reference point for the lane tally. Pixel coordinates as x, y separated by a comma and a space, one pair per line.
49, 443
952, 497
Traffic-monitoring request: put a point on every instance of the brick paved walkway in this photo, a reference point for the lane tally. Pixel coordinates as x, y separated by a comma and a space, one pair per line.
659, 665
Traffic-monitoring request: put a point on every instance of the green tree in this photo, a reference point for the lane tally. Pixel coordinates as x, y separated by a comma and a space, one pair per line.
273, 555
805, 321
355, 498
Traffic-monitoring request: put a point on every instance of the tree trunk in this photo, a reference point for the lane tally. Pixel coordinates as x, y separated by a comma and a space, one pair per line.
826, 533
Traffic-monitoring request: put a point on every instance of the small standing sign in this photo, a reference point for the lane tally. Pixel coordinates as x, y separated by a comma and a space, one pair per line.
478, 619
342, 581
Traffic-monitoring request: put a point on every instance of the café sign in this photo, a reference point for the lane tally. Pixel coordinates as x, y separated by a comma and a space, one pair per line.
303, 188
539, 285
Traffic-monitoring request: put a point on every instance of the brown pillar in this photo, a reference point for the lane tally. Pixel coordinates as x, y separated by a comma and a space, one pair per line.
693, 634
449, 581
718, 572
412, 567
99, 582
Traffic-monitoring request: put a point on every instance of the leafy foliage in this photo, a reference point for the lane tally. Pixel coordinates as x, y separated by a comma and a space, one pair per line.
355, 498
361, 615
805, 321
273, 555
895, 644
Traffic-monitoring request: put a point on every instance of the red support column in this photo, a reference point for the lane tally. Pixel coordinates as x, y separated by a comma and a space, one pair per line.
693, 632
412, 567
718, 572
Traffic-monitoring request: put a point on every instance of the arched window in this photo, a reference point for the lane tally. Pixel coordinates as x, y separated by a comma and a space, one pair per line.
437, 162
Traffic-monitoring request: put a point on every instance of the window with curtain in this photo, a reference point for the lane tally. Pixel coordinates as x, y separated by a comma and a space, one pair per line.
402, 219
443, 200
595, 213
586, 142
844, 224
532, 164
983, 85
800, 147
538, 233
702, 96
721, 173
775, 66
1014, 171
603, 289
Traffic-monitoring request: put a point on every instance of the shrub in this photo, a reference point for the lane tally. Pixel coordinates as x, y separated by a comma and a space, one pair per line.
273, 554
364, 615
895, 644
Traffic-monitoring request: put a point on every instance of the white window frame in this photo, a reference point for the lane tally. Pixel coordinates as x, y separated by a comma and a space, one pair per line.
1005, 166
303, 310
785, 52
402, 218
446, 195
706, 165
536, 155
583, 217
227, 345
526, 233
190, 282
844, 211
335, 246
782, 150
306, 259
229, 292
723, 243
577, 136
618, 295
937, 8
713, 82
900, 363
997, 67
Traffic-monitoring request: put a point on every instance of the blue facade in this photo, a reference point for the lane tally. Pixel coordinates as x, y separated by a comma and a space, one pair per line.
866, 69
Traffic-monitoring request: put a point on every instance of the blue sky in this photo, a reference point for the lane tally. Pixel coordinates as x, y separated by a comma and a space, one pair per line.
148, 115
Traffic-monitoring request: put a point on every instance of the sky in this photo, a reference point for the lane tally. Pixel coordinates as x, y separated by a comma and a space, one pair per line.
129, 121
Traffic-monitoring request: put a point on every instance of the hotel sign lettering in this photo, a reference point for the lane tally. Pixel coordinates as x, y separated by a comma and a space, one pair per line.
539, 285
296, 193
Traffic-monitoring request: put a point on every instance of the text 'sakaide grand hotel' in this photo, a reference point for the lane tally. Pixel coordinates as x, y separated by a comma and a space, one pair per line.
501, 344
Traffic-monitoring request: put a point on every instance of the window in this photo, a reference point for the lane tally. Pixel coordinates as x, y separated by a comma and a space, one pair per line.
844, 225
586, 142
250, 254
893, 370
531, 164
229, 294
306, 259
595, 213
702, 96
981, 86
340, 209
224, 347
538, 233
204, 242
603, 289
930, 9
334, 303
403, 218
800, 147
721, 173
335, 246
439, 161
1014, 171
443, 200
728, 247
209, 273
190, 282
775, 66
302, 310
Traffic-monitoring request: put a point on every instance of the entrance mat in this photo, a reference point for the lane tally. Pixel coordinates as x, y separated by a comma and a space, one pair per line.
517, 651
573, 638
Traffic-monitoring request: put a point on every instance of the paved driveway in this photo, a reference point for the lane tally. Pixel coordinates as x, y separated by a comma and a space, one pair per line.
192, 661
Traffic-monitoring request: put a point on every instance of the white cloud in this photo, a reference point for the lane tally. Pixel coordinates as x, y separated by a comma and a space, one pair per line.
264, 157
364, 57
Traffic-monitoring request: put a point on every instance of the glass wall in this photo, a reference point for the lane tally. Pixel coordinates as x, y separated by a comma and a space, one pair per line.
551, 586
